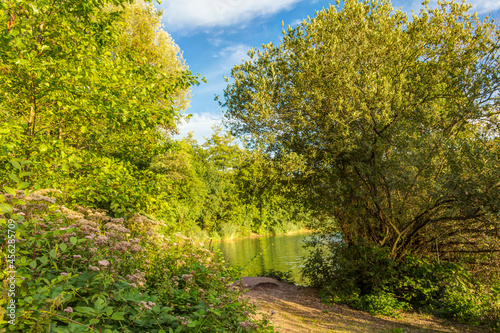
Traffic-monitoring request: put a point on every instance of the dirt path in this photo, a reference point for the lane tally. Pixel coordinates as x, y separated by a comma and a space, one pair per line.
298, 310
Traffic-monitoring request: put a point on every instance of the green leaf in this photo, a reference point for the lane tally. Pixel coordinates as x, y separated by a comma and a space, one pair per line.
33, 264
108, 310
53, 253
42, 148
5, 208
25, 174
18, 202
43, 260
118, 316
99, 304
73, 240
15, 164
23, 185
85, 309
14, 177
63, 247
9, 190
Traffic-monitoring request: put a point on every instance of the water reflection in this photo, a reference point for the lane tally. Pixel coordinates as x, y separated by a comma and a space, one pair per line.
255, 255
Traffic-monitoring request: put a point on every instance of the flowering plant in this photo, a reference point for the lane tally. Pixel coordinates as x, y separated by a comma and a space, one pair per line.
83, 271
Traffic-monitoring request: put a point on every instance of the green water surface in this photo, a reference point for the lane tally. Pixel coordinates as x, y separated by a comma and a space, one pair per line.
255, 255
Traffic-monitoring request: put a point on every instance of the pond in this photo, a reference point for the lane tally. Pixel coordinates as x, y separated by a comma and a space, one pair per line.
255, 255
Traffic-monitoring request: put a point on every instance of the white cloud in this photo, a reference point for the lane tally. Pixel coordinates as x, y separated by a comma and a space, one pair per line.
216, 41
233, 54
479, 6
296, 22
191, 14
484, 6
201, 126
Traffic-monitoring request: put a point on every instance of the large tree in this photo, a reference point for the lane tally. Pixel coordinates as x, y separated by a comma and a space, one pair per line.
395, 121
88, 90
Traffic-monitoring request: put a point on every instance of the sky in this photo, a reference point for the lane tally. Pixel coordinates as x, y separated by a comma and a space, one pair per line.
215, 35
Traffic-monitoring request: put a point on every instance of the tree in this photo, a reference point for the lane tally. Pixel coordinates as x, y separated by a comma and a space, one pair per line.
141, 36
83, 100
394, 120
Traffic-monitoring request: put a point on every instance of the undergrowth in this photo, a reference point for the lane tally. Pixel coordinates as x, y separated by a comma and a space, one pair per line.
83, 271
366, 278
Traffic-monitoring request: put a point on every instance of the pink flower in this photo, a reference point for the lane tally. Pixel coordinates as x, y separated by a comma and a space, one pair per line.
101, 240
136, 248
104, 263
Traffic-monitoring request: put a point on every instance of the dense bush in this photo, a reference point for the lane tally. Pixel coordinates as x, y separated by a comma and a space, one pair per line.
83, 271
365, 277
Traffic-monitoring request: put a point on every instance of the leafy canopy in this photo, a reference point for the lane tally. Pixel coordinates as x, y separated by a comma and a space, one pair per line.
394, 121
89, 92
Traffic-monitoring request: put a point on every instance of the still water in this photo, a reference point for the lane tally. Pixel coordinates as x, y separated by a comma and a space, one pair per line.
255, 255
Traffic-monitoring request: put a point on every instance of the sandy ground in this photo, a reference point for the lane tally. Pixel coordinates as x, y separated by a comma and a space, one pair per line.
298, 309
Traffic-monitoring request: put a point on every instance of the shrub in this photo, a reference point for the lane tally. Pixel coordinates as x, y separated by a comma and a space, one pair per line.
379, 302
84, 271
228, 231
471, 303
366, 278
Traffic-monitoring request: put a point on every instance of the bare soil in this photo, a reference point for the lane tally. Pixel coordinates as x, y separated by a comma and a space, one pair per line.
292, 309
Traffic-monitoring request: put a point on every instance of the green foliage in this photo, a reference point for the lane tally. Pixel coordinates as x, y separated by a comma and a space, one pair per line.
351, 271
91, 112
228, 231
379, 303
389, 127
81, 271
102, 88
389, 122
226, 190
470, 302
367, 278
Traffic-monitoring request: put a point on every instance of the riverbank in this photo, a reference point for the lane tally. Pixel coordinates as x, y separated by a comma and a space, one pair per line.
294, 309
255, 235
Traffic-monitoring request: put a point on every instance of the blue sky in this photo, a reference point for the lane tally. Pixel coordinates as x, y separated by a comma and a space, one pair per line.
214, 35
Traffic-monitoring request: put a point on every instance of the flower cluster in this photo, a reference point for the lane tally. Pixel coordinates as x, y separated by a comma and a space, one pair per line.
137, 279
184, 279
187, 277
247, 325
146, 306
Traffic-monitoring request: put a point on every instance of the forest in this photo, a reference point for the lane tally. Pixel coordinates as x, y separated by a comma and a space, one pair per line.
377, 131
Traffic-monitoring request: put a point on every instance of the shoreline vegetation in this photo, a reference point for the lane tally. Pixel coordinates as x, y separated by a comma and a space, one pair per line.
256, 235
